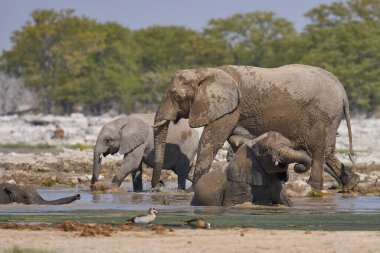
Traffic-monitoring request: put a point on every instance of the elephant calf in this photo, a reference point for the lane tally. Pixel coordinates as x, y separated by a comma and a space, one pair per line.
10, 193
255, 174
132, 136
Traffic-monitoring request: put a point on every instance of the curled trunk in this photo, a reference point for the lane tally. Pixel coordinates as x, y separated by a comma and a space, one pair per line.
300, 157
303, 161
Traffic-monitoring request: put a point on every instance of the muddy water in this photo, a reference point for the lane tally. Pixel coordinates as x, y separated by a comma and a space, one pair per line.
333, 212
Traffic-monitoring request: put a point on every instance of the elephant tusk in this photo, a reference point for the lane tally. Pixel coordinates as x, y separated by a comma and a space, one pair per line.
276, 163
162, 122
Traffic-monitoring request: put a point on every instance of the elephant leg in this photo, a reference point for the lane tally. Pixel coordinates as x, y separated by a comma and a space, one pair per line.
137, 179
316, 180
346, 176
131, 162
182, 170
213, 137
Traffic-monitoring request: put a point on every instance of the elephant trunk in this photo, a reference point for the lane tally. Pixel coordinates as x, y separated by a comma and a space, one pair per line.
160, 134
61, 201
300, 157
96, 167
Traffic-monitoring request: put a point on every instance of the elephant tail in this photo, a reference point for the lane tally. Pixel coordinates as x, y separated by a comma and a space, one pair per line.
348, 122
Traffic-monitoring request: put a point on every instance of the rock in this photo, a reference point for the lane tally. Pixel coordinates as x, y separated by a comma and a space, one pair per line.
73, 180
371, 179
221, 155
83, 179
362, 176
297, 188
11, 181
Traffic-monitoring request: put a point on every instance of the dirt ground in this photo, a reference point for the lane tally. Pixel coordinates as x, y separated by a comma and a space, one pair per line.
188, 240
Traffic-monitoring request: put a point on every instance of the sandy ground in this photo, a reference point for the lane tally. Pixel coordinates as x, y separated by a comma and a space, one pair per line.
186, 240
79, 129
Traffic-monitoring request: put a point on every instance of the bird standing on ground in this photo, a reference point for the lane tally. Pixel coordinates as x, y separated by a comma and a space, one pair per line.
198, 223
145, 218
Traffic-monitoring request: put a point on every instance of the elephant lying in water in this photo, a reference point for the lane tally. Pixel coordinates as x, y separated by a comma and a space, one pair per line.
10, 193
255, 174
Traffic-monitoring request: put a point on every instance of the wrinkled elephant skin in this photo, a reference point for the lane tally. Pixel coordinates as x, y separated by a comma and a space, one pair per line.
255, 174
303, 103
132, 136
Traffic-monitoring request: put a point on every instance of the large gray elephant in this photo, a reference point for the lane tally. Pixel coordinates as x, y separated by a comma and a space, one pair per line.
304, 103
132, 136
10, 193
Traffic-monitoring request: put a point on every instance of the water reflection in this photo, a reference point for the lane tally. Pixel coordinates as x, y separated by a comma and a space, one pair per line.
178, 203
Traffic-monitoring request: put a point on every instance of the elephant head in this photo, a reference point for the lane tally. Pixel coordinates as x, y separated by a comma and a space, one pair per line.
201, 95
121, 135
10, 193
270, 153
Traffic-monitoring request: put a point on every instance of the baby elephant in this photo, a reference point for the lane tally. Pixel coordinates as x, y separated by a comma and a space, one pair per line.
10, 193
255, 174
132, 136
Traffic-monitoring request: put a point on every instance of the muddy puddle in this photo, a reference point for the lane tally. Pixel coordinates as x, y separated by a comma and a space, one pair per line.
332, 212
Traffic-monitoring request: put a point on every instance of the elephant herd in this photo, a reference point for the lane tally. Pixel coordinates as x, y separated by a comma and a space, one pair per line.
271, 117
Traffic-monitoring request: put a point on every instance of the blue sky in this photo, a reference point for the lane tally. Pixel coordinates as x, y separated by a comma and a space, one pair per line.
137, 14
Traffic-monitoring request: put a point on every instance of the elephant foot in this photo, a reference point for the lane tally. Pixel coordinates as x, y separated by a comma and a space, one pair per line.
316, 185
159, 187
349, 179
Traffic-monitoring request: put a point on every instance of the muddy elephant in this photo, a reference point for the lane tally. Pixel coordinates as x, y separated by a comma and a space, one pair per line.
10, 193
132, 136
255, 174
304, 103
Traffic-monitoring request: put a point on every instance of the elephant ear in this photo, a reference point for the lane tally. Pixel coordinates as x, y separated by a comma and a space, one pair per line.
134, 132
217, 95
245, 169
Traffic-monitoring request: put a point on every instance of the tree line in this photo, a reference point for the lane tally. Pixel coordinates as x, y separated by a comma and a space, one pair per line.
77, 63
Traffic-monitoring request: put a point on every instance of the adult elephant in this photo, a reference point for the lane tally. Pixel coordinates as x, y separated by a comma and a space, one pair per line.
304, 103
132, 136
10, 193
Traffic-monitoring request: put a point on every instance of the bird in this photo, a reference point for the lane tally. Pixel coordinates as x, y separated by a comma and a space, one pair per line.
198, 223
145, 218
